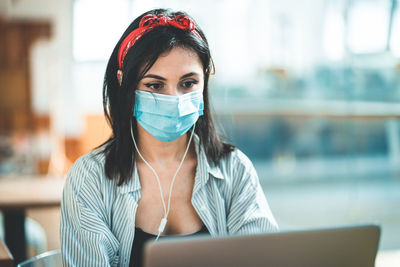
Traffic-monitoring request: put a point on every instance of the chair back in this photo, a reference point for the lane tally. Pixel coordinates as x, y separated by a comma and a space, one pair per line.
47, 259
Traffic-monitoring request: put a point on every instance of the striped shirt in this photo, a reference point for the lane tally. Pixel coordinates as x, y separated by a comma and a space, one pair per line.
98, 217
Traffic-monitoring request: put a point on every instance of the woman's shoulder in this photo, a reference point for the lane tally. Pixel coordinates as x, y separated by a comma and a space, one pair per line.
238, 157
88, 169
92, 161
238, 161
237, 173
237, 167
93, 158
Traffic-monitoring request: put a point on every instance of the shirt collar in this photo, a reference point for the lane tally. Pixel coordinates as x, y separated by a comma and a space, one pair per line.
203, 162
204, 170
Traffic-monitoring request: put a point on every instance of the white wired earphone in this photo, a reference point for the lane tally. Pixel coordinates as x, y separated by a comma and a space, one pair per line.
166, 211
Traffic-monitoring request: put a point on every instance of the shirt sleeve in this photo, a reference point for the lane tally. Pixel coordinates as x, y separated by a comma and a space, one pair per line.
86, 239
249, 211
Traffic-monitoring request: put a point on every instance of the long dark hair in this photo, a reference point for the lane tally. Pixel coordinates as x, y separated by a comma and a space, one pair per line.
119, 100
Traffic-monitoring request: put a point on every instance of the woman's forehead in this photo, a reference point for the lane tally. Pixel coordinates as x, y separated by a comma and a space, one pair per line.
178, 61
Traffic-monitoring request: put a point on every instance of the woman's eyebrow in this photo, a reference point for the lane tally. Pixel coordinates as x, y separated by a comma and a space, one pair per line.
163, 79
154, 76
190, 74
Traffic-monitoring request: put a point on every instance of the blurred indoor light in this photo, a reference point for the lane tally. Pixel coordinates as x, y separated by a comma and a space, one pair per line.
98, 25
395, 36
368, 23
334, 35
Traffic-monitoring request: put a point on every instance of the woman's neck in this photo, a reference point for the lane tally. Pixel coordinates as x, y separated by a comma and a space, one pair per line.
161, 153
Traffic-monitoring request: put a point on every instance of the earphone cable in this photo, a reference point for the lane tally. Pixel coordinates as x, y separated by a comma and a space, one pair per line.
166, 211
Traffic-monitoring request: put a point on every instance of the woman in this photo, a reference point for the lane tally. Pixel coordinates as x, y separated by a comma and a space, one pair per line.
164, 171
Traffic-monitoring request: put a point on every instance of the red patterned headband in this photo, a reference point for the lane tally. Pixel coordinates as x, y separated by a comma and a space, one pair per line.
149, 22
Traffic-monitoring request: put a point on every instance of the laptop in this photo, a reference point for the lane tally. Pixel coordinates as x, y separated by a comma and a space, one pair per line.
347, 246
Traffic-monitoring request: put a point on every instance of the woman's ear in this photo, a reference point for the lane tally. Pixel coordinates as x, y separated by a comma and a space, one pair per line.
119, 76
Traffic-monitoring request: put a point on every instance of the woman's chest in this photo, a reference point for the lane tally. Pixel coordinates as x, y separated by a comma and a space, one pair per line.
182, 217
165, 180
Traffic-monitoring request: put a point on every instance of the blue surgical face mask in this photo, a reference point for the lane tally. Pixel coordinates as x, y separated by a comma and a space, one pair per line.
167, 117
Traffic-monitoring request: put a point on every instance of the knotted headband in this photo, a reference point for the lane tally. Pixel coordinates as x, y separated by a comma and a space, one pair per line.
149, 22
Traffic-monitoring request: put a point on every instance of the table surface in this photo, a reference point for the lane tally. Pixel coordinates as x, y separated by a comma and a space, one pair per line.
30, 192
5, 255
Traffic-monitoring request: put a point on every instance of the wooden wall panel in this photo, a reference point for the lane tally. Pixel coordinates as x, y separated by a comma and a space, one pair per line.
13, 89
17, 37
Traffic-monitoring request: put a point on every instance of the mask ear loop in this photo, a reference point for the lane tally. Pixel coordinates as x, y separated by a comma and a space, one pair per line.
166, 211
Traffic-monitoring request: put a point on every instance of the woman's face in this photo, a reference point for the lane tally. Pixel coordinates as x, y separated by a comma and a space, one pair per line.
176, 72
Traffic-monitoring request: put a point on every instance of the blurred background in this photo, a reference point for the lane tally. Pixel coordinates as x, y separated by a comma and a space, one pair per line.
309, 90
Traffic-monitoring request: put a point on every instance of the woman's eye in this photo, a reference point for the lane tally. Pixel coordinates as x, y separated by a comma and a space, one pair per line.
154, 86
189, 84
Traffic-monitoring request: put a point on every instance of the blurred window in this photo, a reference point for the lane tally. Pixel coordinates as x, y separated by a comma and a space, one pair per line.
98, 25
395, 34
368, 25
